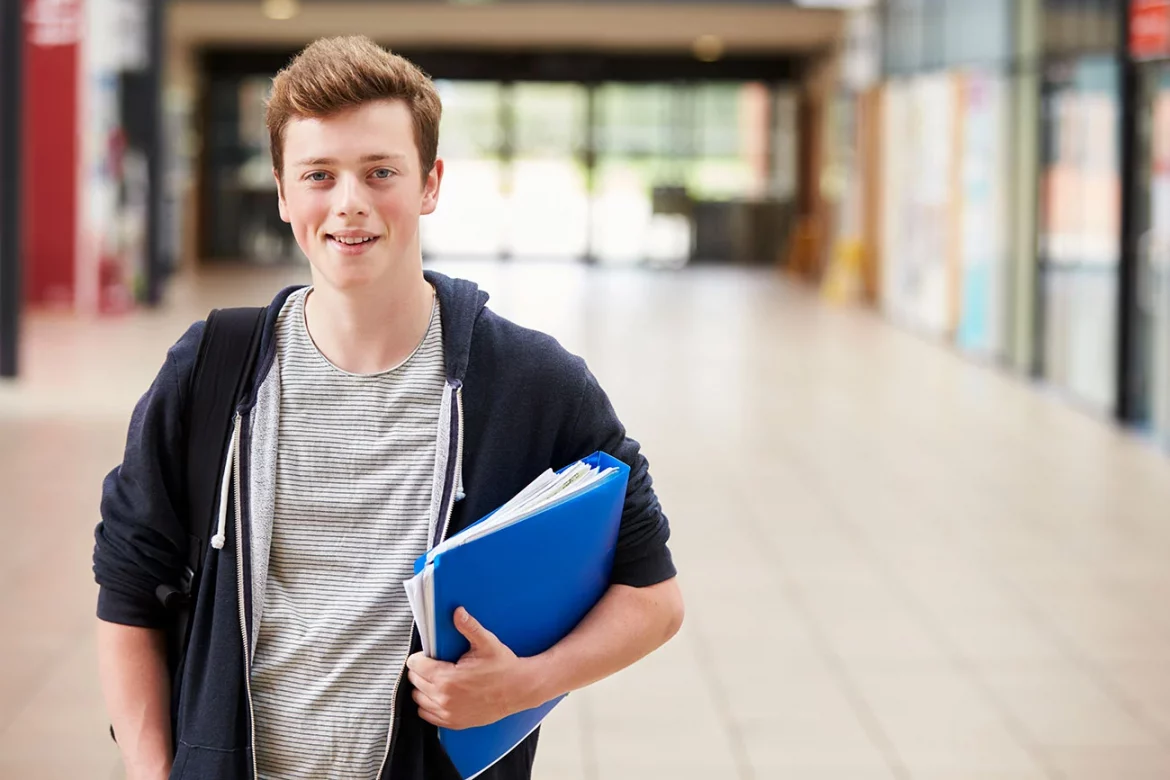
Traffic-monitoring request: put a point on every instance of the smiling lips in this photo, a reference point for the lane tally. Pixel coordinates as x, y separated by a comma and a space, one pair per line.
351, 243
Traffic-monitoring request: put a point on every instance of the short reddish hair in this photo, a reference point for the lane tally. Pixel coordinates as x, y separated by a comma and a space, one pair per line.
334, 74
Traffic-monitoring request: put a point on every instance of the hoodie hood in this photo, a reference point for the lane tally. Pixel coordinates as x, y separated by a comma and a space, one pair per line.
460, 304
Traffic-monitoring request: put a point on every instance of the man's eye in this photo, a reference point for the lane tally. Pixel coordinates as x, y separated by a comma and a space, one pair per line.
317, 176
383, 173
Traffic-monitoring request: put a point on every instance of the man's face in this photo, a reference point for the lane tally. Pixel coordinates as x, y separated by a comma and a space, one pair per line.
353, 191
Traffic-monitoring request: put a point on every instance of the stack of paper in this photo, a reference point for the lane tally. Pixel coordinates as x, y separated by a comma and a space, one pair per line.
528, 572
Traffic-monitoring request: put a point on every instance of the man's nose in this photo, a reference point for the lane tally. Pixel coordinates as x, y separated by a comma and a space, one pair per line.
351, 198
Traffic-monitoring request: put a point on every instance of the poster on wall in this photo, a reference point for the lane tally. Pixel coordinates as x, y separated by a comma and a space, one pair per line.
895, 282
1082, 180
920, 270
112, 251
99, 274
983, 248
915, 202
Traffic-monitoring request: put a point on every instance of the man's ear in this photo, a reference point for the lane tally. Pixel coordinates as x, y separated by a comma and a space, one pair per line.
280, 196
431, 186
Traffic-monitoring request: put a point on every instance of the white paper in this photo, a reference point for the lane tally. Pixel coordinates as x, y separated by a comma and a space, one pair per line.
414, 594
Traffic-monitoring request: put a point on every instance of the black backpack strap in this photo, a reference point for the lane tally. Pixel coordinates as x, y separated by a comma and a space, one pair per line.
223, 369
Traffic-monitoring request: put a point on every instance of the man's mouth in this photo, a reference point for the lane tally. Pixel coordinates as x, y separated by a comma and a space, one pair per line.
353, 240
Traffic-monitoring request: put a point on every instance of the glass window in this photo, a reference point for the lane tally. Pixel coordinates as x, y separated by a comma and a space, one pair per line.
992, 27
904, 36
548, 196
549, 119
717, 109
635, 120
934, 17
471, 119
646, 138
730, 125
959, 32
470, 217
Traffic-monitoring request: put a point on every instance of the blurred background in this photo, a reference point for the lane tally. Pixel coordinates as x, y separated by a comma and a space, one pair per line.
882, 287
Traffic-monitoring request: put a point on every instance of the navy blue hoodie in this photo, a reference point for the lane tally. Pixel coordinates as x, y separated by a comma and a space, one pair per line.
524, 405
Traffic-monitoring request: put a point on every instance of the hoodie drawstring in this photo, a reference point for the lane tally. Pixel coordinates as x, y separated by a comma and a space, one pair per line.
220, 537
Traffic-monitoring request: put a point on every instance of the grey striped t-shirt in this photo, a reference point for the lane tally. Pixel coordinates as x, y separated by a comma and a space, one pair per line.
354, 475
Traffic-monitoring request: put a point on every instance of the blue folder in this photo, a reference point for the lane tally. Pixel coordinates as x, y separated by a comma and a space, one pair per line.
530, 584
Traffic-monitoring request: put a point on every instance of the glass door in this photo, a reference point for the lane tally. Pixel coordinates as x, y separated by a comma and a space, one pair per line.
470, 218
642, 137
547, 195
1080, 228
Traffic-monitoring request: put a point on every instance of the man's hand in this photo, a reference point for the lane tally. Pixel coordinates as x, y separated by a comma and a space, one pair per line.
490, 682
487, 684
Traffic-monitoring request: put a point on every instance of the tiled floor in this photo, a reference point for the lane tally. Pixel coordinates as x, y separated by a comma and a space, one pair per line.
898, 564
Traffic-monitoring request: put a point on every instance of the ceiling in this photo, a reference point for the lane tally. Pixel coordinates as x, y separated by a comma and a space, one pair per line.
744, 28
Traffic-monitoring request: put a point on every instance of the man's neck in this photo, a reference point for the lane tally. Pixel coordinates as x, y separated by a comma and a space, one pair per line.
371, 329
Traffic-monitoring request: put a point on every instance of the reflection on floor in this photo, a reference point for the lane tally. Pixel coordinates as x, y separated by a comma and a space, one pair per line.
897, 564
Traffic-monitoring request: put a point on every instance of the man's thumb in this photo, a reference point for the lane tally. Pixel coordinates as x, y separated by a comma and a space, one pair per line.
476, 634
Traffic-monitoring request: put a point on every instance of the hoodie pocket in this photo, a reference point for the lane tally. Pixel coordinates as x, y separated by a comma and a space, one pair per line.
197, 763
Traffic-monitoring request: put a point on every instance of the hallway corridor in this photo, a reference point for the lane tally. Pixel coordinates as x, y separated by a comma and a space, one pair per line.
897, 563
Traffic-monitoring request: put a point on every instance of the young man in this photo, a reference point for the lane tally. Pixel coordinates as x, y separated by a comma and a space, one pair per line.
385, 401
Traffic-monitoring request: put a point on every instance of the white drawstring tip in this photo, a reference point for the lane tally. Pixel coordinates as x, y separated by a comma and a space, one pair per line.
217, 541
460, 495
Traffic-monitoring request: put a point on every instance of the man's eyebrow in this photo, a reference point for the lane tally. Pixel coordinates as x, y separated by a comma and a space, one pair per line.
368, 158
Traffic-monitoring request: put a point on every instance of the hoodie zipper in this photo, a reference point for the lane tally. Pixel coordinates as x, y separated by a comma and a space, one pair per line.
458, 476
240, 589
456, 480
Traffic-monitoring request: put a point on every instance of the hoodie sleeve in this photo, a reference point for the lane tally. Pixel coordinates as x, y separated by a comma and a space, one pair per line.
141, 540
642, 557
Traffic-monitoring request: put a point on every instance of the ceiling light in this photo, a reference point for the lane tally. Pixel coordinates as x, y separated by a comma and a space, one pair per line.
708, 48
281, 10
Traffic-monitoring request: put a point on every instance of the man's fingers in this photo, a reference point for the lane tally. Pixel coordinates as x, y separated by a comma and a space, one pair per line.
431, 717
427, 709
420, 683
418, 662
426, 668
426, 702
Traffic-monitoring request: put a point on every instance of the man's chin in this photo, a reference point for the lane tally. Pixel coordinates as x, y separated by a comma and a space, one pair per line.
346, 273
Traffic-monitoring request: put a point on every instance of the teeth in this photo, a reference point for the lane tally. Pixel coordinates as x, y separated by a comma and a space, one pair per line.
352, 241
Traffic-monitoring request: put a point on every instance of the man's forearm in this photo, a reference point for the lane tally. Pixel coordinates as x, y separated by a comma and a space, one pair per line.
133, 669
625, 626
